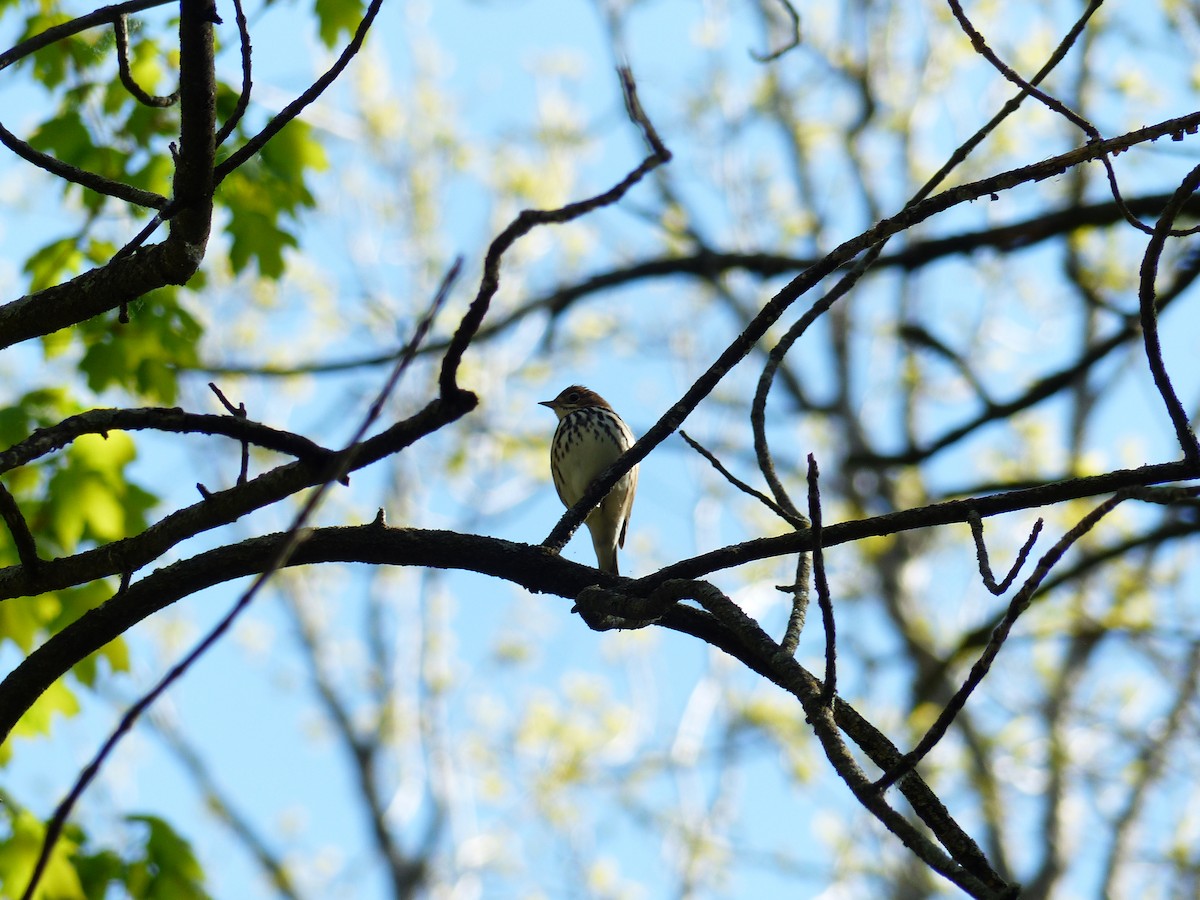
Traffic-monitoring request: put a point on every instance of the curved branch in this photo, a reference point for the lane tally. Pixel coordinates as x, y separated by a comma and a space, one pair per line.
799, 286
1020, 602
103, 16
221, 508
82, 177
1052, 103
529, 219
293, 109
243, 100
1147, 306
18, 529
100, 421
793, 41
985, 566
121, 33
522, 564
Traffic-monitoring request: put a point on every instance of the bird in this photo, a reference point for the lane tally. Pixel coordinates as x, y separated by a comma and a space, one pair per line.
589, 438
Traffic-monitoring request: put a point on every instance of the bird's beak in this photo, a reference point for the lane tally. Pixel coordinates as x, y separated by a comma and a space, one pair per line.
547, 403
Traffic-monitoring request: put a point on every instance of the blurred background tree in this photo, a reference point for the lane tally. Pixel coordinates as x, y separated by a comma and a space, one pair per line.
875, 242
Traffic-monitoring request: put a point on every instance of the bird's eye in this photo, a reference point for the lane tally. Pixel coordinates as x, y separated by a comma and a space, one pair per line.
573, 397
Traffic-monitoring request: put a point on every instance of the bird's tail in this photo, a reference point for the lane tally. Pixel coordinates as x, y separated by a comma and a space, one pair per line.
606, 550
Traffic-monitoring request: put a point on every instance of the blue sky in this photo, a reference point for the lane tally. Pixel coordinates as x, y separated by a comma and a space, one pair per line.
247, 710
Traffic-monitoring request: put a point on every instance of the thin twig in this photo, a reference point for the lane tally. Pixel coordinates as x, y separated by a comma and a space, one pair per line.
792, 43
799, 522
293, 109
1053, 103
529, 219
981, 554
121, 33
800, 597
1016, 607
1149, 319
243, 100
829, 690
238, 412
19, 529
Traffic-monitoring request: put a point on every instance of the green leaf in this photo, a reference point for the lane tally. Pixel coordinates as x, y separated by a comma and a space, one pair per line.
53, 263
98, 870
170, 870
141, 356
263, 192
89, 498
20, 622
337, 17
19, 854
64, 136
257, 237
38, 719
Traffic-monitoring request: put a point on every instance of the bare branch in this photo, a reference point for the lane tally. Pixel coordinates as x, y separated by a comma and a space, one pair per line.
1149, 319
829, 690
981, 554
800, 597
243, 100
793, 41
293, 109
103, 16
791, 519
121, 33
238, 412
1018, 605
980, 45
529, 219
18, 528
923, 517
81, 177
101, 421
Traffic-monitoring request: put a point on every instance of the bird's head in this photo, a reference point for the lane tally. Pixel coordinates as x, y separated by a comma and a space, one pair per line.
573, 398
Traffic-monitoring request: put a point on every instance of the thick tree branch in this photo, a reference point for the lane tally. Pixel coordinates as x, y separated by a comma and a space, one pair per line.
221, 508
522, 564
